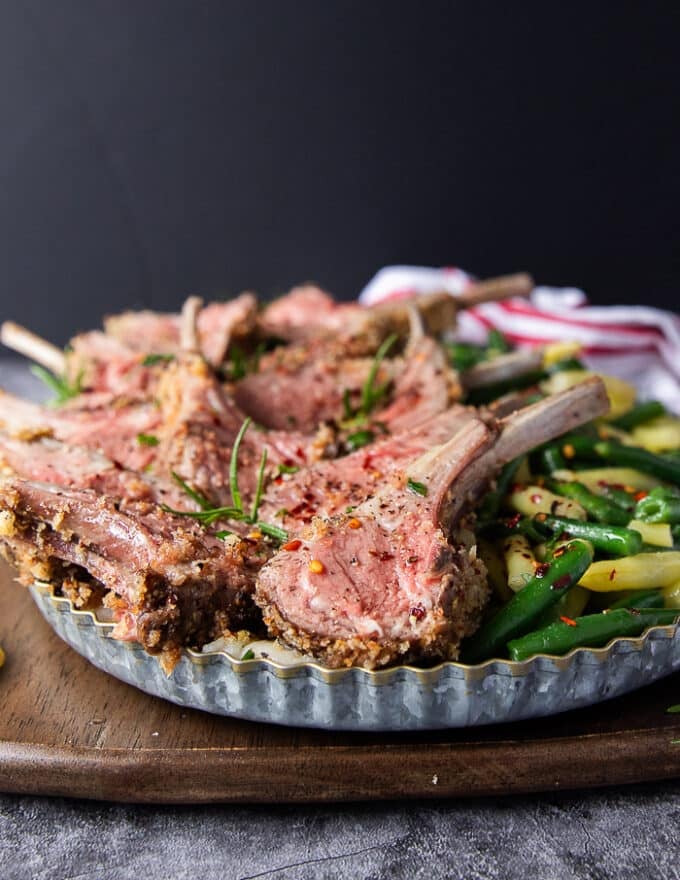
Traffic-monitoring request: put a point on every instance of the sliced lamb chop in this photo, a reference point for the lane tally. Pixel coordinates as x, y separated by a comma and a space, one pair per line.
200, 424
426, 387
308, 312
303, 392
218, 323
397, 578
47, 460
174, 584
327, 488
112, 430
306, 386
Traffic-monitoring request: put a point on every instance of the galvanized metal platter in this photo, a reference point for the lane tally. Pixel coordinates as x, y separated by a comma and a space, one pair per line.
298, 692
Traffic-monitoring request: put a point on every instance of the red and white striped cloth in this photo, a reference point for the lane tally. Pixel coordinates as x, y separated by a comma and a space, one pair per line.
637, 343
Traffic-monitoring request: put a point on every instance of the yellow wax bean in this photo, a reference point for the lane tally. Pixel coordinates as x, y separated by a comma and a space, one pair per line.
671, 596
492, 559
536, 499
519, 561
658, 534
645, 571
658, 435
621, 395
560, 351
592, 478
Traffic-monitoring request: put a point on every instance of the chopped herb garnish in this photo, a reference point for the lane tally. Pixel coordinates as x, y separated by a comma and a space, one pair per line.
248, 655
286, 469
62, 388
347, 409
350, 508
273, 532
359, 439
673, 710
418, 488
224, 533
239, 364
152, 360
281, 513
147, 440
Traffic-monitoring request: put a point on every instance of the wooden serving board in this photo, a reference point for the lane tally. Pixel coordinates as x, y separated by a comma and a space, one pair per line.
68, 729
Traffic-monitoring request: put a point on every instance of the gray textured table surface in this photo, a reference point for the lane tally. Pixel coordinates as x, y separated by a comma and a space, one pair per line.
616, 833
621, 833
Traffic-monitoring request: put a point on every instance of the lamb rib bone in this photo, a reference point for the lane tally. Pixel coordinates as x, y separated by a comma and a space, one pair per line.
397, 578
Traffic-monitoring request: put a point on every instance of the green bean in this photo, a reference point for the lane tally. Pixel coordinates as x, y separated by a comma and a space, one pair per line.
675, 532
641, 460
593, 630
640, 599
639, 414
492, 501
596, 506
550, 458
660, 506
566, 364
496, 343
571, 605
525, 525
564, 569
491, 392
620, 497
570, 446
462, 355
614, 540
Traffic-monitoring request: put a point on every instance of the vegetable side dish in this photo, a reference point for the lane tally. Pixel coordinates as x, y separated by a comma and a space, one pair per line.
343, 479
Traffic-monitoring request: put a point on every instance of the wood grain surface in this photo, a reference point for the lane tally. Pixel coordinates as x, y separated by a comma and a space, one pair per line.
67, 728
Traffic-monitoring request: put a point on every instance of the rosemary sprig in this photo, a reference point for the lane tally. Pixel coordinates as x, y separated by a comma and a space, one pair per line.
61, 387
152, 360
208, 514
233, 466
371, 394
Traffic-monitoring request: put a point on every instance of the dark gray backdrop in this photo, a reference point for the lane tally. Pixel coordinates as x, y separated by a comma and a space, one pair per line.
150, 149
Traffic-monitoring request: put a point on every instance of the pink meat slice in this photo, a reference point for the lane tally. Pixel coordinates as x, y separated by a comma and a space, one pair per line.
152, 332
180, 585
199, 426
112, 430
398, 578
327, 488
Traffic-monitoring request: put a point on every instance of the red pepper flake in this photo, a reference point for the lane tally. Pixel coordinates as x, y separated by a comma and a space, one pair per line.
612, 574
542, 569
559, 552
316, 566
535, 498
513, 521
295, 544
568, 620
541, 517
354, 523
640, 495
417, 612
562, 582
